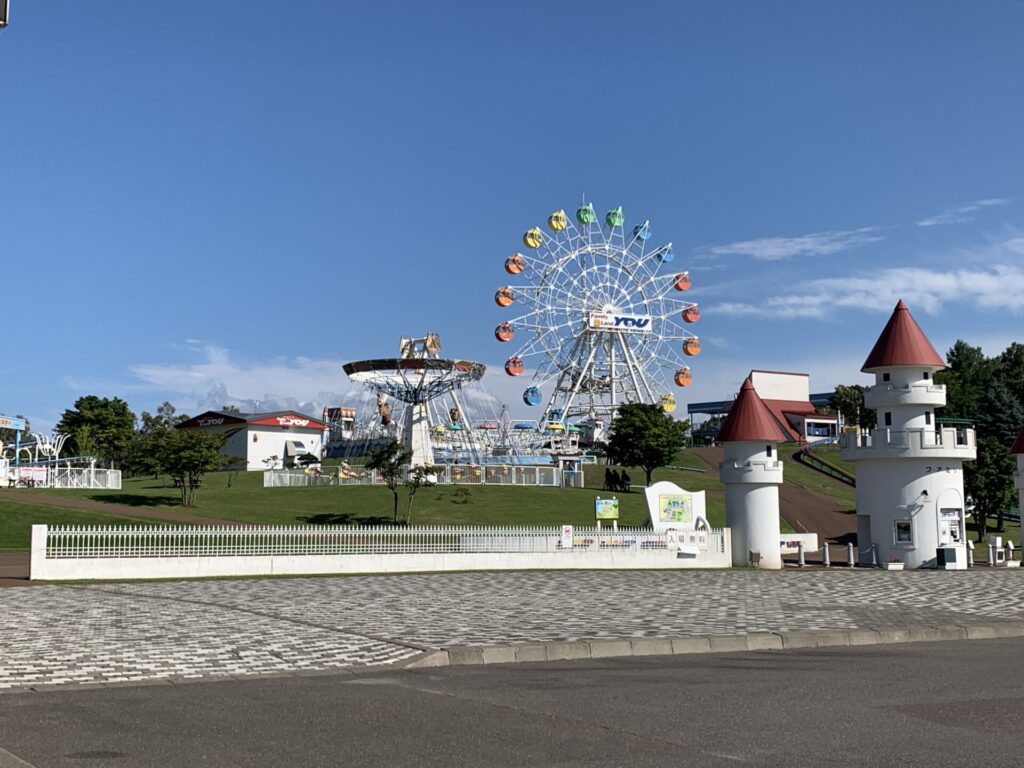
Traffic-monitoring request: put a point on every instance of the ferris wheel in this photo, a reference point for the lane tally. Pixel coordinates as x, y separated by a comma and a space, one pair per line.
604, 318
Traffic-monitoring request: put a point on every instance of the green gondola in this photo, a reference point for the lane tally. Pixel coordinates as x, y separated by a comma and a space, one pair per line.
615, 217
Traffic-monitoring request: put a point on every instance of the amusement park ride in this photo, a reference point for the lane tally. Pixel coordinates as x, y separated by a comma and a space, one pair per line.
601, 320
421, 380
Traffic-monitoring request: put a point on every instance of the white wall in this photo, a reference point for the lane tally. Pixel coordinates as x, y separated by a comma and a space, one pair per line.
752, 479
781, 386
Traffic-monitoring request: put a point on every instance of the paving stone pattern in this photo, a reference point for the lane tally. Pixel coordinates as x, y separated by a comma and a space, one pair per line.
135, 632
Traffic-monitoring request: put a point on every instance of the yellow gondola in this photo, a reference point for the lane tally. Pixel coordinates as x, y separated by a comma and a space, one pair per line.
558, 221
668, 403
533, 238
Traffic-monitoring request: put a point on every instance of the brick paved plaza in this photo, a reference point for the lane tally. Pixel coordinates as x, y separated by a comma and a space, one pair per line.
152, 631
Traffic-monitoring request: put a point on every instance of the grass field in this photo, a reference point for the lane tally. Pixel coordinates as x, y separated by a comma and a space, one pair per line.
17, 518
247, 501
813, 480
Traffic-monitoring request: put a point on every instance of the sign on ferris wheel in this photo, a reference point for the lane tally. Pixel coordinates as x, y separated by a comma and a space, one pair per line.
605, 321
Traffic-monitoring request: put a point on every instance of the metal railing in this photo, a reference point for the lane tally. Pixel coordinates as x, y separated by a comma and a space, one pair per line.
88, 542
448, 474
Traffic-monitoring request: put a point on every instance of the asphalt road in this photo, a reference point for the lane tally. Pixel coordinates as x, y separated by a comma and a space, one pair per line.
922, 704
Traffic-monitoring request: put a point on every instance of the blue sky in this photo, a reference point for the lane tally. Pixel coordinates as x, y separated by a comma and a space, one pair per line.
227, 205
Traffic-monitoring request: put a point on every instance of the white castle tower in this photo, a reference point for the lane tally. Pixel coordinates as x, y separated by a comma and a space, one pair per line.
1018, 476
752, 474
910, 482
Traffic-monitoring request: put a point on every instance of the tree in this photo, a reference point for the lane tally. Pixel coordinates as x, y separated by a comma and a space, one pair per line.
419, 477
848, 401
989, 484
645, 436
111, 426
967, 375
186, 455
230, 409
142, 454
390, 460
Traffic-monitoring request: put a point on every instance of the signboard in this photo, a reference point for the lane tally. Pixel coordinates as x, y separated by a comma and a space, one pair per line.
608, 321
673, 508
566, 537
6, 422
289, 420
676, 508
606, 509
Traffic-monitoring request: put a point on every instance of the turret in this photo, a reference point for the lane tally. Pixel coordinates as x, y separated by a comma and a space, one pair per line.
909, 469
752, 474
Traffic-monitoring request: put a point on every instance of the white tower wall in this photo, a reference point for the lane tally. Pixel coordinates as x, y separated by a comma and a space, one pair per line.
417, 435
752, 478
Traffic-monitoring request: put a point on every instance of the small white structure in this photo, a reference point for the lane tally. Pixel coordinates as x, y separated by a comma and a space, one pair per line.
674, 508
1018, 476
263, 440
910, 484
752, 474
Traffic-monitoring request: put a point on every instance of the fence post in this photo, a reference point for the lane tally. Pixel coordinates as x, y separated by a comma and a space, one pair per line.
991, 553
849, 555
37, 564
874, 555
970, 554
800, 554
825, 556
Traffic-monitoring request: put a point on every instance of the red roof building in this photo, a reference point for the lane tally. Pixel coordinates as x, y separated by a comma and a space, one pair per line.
902, 343
261, 441
750, 420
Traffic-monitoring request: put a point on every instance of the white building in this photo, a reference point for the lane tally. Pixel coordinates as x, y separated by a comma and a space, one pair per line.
752, 474
910, 483
263, 440
787, 396
1018, 476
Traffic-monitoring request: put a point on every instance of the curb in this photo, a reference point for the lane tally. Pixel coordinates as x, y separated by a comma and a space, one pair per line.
523, 653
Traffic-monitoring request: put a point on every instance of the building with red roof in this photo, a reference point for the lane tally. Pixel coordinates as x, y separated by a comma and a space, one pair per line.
751, 472
910, 487
260, 441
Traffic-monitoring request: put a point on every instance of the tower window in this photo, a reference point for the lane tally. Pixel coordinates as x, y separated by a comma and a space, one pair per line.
888, 419
885, 377
903, 532
928, 418
927, 375
768, 450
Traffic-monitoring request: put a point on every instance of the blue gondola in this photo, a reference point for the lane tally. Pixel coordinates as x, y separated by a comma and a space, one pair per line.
642, 231
524, 425
664, 255
532, 396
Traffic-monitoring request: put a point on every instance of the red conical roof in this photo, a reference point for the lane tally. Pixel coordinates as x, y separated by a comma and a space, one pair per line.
902, 343
749, 419
1018, 444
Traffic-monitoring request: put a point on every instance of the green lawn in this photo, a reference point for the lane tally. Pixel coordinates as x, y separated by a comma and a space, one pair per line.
246, 500
830, 453
17, 518
813, 480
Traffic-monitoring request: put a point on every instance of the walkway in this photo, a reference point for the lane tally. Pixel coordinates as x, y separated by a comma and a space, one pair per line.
79, 634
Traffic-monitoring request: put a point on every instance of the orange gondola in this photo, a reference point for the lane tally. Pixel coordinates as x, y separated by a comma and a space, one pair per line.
514, 366
683, 377
691, 346
682, 282
504, 332
504, 297
515, 264
691, 314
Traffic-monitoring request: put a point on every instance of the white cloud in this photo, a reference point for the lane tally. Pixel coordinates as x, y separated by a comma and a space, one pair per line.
814, 244
997, 287
962, 213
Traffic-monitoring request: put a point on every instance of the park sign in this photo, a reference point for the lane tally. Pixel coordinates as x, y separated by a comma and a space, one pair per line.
673, 508
606, 509
6, 422
611, 321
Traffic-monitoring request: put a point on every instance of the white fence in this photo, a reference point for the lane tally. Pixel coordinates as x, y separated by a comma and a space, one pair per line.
448, 474
63, 477
140, 552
